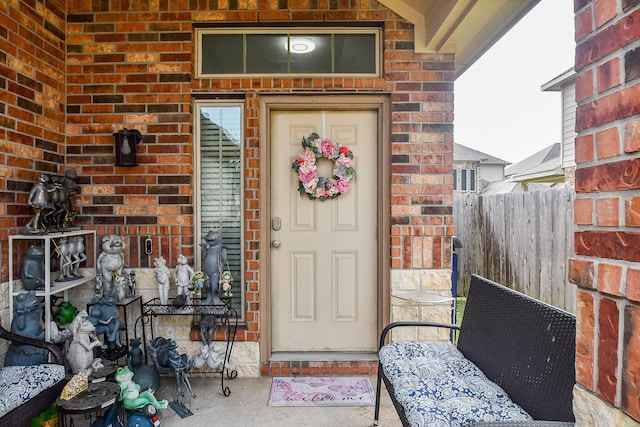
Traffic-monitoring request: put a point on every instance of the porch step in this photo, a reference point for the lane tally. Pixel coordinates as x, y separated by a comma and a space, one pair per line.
320, 364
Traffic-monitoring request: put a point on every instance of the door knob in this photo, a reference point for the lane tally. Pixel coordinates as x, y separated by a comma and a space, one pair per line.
275, 243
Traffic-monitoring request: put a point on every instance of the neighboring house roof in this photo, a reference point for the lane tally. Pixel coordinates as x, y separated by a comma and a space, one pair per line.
543, 166
535, 160
557, 83
462, 27
462, 153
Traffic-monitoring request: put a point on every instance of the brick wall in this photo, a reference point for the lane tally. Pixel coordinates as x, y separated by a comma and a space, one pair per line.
606, 268
32, 102
133, 68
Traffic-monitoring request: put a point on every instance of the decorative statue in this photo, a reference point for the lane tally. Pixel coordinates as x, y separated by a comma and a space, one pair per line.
65, 313
120, 283
162, 274
214, 255
39, 202
32, 269
165, 355
225, 283
50, 199
77, 254
180, 367
132, 281
182, 275
64, 249
146, 376
58, 202
130, 393
111, 260
27, 315
80, 355
197, 282
207, 325
105, 316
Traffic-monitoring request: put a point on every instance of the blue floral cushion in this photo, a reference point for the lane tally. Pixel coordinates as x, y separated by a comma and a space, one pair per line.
437, 386
18, 384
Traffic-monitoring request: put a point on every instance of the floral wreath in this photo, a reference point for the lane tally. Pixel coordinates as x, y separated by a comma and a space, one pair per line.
320, 187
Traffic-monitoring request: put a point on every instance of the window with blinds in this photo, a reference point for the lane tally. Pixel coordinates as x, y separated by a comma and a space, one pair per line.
219, 195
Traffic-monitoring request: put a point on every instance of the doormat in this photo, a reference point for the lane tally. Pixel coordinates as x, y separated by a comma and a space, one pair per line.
321, 391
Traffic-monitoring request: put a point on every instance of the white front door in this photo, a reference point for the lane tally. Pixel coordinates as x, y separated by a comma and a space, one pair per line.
323, 265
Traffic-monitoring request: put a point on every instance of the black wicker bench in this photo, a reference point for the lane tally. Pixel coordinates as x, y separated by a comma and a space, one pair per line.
12, 388
514, 365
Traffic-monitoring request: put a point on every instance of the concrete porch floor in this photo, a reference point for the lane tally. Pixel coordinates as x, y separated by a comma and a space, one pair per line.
247, 406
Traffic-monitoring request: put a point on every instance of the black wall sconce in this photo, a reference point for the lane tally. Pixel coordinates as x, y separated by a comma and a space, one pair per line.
126, 142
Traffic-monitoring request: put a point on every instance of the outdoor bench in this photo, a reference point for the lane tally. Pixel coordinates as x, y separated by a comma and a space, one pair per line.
26, 391
513, 365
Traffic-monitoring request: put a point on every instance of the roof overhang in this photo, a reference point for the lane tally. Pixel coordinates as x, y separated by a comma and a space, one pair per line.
466, 28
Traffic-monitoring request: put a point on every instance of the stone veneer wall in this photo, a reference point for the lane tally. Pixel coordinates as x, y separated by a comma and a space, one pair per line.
87, 69
606, 268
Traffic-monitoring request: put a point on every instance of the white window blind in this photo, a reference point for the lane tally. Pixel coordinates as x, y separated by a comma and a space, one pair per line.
220, 192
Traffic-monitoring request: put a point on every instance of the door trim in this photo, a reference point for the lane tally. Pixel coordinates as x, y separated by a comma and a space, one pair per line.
378, 103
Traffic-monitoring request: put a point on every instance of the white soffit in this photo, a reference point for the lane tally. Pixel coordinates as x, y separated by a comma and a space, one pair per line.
466, 28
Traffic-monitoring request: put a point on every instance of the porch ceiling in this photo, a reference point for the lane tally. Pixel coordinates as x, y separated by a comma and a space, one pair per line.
464, 27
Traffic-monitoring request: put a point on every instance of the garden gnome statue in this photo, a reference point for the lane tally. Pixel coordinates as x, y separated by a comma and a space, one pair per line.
162, 274
110, 262
26, 322
182, 275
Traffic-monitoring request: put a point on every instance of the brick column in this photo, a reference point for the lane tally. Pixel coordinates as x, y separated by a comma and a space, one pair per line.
606, 267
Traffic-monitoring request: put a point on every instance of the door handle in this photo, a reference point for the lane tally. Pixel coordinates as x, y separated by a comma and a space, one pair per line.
275, 243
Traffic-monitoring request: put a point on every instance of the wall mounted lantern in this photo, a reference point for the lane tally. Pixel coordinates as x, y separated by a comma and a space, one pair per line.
126, 142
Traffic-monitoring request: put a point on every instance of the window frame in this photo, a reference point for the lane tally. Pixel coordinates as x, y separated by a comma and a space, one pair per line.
197, 169
376, 31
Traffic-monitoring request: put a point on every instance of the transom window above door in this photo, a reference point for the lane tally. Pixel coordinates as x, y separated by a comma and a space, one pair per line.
288, 51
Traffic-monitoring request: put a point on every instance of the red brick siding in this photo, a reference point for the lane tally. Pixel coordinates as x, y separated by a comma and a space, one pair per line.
606, 245
32, 106
131, 65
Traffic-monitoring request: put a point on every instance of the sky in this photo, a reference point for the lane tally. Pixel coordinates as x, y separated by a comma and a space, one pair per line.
500, 108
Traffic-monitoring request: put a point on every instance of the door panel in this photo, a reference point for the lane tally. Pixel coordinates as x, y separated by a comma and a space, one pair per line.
324, 272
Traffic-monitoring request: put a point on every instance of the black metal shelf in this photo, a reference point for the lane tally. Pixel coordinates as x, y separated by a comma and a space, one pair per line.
226, 315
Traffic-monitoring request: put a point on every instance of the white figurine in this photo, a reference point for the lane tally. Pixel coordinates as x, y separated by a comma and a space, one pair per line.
182, 275
162, 274
80, 353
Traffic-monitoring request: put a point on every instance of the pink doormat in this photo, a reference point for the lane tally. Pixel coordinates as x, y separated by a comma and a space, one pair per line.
321, 391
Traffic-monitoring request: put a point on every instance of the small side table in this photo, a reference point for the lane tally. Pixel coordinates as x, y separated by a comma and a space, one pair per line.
417, 300
89, 404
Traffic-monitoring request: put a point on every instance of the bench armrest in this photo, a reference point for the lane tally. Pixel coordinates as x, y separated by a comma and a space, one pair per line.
21, 339
390, 326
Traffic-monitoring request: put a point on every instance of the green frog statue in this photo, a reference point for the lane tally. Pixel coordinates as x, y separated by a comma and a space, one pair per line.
131, 395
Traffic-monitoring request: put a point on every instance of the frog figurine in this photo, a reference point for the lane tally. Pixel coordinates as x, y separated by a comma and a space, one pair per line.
32, 269
130, 393
105, 316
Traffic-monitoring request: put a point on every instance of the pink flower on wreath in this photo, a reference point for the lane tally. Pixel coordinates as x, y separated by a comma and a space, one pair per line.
343, 161
342, 185
307, 161
307, 176
328, 148
310, 185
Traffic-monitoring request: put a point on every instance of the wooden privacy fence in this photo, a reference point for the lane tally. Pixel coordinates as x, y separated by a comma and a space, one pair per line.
521, 240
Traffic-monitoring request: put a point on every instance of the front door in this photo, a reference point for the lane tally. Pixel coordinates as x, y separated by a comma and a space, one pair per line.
323, 252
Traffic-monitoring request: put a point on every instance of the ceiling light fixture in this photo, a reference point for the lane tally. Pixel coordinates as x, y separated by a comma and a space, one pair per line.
300, 45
